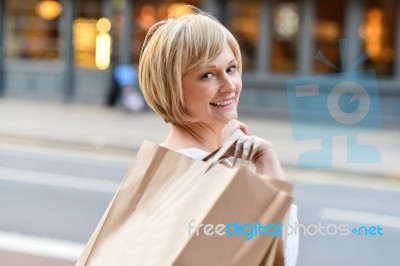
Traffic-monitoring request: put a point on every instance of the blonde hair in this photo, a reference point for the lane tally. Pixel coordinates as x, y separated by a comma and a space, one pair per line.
172, 47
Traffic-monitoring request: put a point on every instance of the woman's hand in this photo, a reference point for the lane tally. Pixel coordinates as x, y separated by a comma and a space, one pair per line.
262, 155
232, 126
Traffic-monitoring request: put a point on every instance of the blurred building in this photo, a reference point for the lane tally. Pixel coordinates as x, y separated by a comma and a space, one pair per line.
64, 50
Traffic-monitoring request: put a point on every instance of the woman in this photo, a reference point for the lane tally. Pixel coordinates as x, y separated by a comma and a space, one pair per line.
190, 74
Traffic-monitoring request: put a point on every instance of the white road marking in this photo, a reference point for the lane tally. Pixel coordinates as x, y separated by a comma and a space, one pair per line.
366, 218
318, 177
57, 180
58, 155
40, 246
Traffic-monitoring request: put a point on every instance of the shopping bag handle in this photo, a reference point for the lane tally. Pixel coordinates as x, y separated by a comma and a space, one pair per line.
219, 154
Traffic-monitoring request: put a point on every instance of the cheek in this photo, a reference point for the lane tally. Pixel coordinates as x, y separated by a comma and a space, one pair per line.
196, 95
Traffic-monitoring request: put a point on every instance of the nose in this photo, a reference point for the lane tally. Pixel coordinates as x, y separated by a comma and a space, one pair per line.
227, 83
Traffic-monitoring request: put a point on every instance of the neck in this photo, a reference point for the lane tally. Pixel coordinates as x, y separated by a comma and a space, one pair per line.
194, 135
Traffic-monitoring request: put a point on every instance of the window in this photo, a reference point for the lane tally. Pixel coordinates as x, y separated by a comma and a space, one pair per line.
378, 35
31, 29
286, 25
91, 38
243, 22
328, 29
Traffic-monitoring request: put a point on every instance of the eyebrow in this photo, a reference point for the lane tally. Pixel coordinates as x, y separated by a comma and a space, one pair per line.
210, 66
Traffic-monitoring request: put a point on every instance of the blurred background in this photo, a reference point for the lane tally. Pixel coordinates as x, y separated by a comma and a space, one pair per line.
66, 50
69, 128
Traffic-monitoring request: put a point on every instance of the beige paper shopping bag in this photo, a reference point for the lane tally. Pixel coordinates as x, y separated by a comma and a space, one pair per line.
148, 220
247, 200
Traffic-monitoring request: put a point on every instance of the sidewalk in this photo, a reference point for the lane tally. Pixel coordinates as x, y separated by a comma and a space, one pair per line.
19, 259
102, 129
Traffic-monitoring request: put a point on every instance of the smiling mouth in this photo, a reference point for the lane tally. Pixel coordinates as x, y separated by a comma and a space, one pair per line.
222, 103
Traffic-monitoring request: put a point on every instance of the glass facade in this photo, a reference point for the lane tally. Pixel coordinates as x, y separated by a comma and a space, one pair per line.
329, 27
378, 34
243, 21
278, 39
86, 30
33, 49
32, 29
286, 22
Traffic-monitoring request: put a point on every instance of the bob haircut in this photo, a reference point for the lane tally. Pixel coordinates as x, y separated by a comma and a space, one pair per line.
171, 48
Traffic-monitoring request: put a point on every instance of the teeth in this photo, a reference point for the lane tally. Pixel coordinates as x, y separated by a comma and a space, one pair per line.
223, 103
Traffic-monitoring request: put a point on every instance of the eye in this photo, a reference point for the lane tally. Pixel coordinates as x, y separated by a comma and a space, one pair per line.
231, 69
207, 75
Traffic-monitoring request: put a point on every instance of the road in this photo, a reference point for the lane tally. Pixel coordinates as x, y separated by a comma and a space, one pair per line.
51, 200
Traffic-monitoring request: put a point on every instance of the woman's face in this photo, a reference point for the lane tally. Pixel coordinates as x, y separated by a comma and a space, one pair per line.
211, 91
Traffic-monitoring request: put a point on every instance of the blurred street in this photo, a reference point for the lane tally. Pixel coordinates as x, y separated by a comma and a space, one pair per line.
61, 164
320, 79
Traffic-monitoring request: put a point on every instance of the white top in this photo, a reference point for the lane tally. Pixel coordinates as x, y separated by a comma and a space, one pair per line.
291, 241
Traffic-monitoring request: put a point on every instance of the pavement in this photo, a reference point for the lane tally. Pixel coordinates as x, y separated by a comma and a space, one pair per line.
115, 130
100, 129
17, 259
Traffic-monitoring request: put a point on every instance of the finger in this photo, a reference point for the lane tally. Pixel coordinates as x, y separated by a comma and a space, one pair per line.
242, 126
235, 156
239, 147
246, 149
260, 147
245, 129
249, 149
238, 150
229, 129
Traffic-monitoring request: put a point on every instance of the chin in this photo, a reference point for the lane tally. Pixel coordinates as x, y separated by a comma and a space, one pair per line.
222, 119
